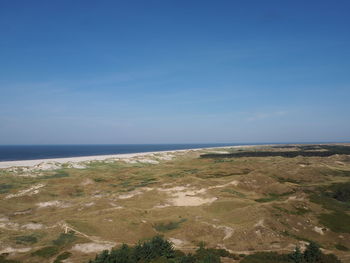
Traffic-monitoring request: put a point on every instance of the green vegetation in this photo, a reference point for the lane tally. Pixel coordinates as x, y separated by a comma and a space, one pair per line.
159, 250
62, 256
4, 260
60, 174
336, 221
288, 180
96, 201
99, 180
340, 192
77, 192
341, 247
64, 239
288, 234
312, 254
272, 197
297, 211
311, 151
236, 193
164, 227
46, 252
175, 175
336, 198
4, 188
29, 239
266, 257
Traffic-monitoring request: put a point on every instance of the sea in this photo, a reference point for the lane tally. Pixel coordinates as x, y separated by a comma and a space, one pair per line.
34, 152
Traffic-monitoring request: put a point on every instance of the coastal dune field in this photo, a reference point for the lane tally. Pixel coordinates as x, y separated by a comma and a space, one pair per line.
242, 199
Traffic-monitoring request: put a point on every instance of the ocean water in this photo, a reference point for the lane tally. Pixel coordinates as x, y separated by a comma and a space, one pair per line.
33, 152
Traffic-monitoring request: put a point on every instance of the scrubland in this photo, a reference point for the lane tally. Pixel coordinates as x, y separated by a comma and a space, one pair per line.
241, 199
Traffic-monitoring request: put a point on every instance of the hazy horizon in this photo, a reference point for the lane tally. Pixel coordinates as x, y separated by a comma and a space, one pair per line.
165, 72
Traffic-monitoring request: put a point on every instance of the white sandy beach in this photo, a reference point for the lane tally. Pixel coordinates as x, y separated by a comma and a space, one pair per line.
80, 159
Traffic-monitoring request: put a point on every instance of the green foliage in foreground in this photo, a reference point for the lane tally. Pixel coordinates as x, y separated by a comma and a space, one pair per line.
159, 250
4, 260
312, 254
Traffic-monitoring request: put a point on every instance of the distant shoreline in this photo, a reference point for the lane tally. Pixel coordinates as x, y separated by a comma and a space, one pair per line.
78, 159
101, 157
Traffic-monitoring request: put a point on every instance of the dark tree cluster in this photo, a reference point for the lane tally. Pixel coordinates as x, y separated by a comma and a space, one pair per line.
312, 254
305, 151
159, 250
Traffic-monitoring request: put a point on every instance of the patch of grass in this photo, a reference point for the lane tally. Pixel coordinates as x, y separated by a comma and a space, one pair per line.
341, 247
145, 182
175, 175
4, 188
273, 197
340, 192
231, 191
335, 197
4, 260
99, 180
62, 256
266, 257
301, 211
57, 175
266, 199
83, 226
287, 180
78, 192
164, 227
337, 221
222, 161
337, 172
288, 234
64, 239
29, 239
191, 171
298, 210
46, 252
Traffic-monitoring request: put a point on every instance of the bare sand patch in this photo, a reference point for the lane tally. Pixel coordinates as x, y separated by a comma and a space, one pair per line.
87, 181
180, 196
234, 183
54, 203
30, 191
92, 247
134, 193
219, 152
33, 226
12, 250
9, 225
149, 161
318, 230
228, 231
260, 223
178, 243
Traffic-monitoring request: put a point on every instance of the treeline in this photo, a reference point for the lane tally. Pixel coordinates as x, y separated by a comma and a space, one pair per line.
159, 250
305, 151
312, 254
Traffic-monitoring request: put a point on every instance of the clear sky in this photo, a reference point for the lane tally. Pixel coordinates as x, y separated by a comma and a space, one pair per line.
171, 71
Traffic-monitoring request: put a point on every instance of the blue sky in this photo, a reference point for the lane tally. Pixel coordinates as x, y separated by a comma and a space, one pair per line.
174, 71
